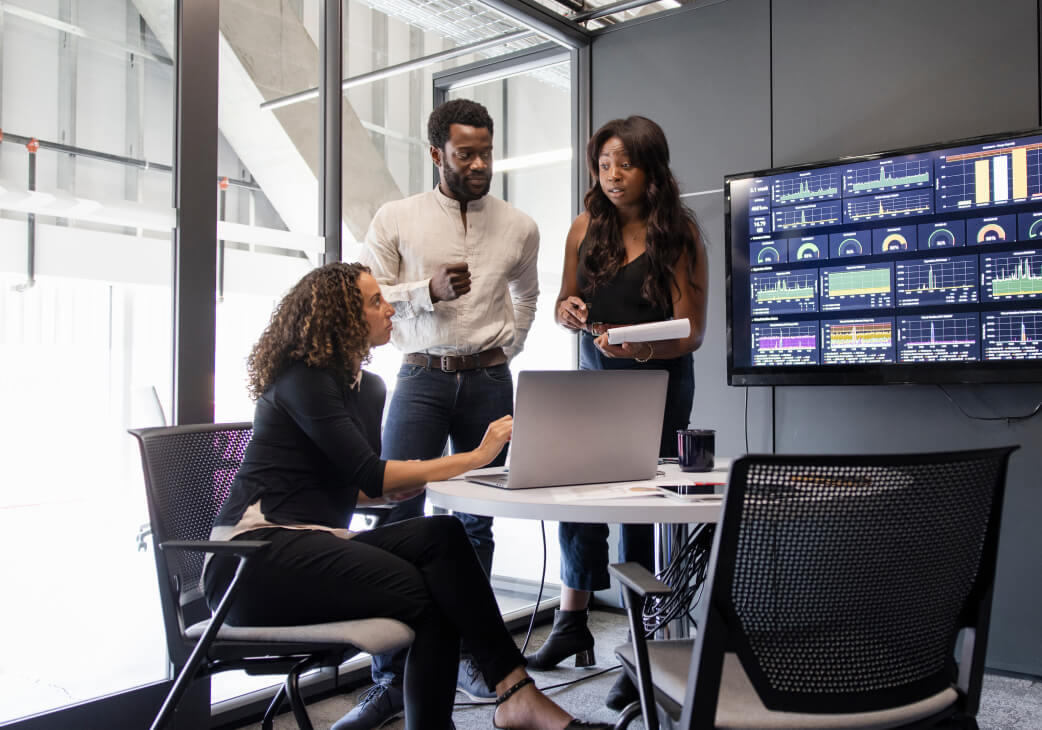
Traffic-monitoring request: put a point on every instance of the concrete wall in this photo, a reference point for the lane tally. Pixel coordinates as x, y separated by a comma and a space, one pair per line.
751, 84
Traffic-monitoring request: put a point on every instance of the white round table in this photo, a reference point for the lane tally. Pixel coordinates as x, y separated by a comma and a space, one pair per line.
596, 503
583, 503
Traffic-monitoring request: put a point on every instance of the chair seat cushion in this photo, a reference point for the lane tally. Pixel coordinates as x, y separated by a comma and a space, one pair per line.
373, 635
740, 707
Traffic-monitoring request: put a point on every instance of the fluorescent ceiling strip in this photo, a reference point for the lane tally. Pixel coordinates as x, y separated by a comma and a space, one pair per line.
537, 159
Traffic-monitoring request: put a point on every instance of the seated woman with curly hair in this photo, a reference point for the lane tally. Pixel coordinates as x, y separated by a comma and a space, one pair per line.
314, 454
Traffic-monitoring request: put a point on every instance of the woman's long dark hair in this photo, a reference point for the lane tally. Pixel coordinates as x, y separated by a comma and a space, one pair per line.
671, 227
319, 322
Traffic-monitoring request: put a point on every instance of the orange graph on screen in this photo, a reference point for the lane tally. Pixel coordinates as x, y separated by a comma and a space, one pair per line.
895, 242
991, 232
868, 334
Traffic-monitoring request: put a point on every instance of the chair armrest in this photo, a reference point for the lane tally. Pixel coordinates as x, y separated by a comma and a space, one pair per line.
638, 583
242, 548
639, 579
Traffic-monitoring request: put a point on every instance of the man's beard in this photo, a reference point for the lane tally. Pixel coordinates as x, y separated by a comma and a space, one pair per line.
457, 185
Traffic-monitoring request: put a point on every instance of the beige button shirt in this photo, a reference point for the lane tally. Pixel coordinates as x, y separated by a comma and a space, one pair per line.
409, 239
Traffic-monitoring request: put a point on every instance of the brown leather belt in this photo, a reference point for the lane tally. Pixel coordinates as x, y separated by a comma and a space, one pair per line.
452, 363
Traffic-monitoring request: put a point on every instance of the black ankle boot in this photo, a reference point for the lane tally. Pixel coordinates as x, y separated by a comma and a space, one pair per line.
569, 636
622, 693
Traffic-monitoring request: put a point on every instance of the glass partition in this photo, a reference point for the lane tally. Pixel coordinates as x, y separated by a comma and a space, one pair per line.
85, 342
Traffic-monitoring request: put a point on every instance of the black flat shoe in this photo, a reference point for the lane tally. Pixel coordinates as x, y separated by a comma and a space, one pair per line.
573, 725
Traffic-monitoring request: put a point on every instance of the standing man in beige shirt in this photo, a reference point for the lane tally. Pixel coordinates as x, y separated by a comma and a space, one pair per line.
459, 267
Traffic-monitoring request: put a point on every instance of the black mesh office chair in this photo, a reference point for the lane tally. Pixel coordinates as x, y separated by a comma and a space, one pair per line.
838, 590
188, 472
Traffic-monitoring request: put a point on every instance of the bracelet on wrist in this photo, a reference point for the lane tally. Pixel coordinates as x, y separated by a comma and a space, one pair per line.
651, 354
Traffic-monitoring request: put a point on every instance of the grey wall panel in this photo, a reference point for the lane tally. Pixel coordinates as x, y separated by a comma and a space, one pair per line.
853, 77
846, 77
704, 75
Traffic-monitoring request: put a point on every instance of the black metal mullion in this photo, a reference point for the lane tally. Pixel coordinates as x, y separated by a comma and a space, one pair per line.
195, 237
331, 53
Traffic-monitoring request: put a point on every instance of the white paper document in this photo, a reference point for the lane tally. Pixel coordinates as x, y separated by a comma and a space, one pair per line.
610, 491
667, 329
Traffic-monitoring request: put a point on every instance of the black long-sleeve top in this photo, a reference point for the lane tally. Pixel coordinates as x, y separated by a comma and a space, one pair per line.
315, 444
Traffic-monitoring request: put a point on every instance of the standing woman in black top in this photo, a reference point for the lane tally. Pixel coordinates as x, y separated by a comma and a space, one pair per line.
635, 255
313, 456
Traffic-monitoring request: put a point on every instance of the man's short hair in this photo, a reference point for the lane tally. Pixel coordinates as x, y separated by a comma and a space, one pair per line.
457, 111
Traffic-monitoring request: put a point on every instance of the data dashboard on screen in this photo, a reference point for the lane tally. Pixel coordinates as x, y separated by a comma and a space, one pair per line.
917, 265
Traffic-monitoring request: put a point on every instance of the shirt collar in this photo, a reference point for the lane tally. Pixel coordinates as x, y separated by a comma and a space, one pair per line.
453, 204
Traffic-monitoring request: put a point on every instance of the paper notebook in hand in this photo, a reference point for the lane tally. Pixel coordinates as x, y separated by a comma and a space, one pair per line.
667, 329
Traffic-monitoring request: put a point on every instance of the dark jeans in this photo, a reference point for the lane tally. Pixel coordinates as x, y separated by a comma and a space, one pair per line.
422, 572
584, 546
428, 409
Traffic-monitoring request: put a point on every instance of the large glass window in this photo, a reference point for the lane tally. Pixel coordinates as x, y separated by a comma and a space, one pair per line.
386, 119
86, 113
86, 103
268, 160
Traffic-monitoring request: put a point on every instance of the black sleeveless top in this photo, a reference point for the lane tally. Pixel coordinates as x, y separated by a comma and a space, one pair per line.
619, 301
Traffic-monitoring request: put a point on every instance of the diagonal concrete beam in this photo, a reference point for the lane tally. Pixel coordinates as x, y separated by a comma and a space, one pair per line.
265, 53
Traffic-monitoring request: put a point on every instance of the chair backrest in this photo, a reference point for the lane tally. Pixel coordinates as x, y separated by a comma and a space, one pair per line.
188, 473
842, 582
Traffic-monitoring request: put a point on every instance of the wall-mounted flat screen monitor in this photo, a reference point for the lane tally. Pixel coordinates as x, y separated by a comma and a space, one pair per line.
921, 265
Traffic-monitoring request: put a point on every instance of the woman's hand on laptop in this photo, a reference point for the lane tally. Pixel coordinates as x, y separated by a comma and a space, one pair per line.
405, 476
496, 437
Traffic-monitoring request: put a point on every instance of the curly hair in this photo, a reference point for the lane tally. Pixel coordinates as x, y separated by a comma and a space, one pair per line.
671, 227
457, 111
319, 322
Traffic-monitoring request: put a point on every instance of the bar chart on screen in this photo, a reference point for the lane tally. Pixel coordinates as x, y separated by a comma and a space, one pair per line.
997, 176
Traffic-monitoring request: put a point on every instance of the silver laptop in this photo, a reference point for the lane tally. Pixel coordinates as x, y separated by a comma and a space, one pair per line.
584, 427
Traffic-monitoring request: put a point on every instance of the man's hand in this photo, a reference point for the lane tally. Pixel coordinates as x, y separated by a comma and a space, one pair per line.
450, 281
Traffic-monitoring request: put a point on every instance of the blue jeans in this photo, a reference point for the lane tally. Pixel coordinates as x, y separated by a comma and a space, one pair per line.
584, 546
428, 409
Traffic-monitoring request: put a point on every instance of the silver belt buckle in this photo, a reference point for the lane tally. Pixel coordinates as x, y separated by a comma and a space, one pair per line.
446, 364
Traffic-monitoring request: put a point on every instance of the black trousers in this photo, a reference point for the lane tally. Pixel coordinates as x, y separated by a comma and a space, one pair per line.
423, 572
